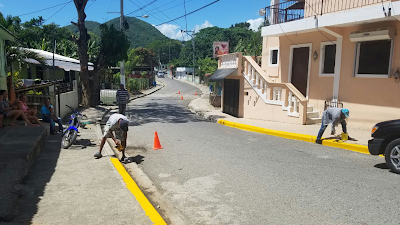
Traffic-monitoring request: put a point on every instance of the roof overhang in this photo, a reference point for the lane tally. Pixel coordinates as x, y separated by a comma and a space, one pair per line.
220, 74
345, 18
6, 34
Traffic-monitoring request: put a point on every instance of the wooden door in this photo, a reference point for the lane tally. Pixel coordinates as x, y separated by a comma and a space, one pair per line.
300, 63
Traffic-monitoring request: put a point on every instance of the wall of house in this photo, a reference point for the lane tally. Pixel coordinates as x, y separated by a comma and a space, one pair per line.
68, 98
47, 72
370, 100
255, 108
320, 88
3, 75
272, 70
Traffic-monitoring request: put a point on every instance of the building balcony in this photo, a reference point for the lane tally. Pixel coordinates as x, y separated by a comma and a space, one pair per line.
287, 11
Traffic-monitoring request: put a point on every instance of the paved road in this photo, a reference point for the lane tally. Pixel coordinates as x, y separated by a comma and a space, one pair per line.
219, 175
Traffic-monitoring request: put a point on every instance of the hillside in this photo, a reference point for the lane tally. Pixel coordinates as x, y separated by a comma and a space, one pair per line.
140, 33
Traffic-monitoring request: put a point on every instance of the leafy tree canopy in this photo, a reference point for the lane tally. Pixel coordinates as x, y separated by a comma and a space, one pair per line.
166, 50
140, 57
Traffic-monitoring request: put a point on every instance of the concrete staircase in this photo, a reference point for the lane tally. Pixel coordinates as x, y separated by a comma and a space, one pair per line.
313, 117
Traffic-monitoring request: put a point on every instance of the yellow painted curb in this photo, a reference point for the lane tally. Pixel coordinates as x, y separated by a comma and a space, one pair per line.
294, 136
151, 212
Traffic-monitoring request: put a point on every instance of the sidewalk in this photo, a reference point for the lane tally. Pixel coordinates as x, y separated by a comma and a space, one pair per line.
202, 107
70, 186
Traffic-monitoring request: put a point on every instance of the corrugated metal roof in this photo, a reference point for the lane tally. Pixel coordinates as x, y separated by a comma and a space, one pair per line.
60, 61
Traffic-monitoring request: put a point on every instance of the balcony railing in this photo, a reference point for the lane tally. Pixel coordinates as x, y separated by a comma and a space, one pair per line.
284, 12
298, 9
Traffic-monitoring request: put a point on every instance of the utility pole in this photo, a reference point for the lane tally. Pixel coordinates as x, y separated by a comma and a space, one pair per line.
121, 23
193, 35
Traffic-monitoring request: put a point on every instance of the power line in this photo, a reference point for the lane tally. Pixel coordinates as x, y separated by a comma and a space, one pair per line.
164, 14
146, 11
45, 9
141, 8
57, 12
190, 12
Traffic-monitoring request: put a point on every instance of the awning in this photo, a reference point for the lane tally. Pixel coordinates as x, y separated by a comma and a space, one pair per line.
221, 74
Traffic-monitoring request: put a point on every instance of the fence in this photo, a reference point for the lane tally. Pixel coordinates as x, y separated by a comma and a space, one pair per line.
298, 9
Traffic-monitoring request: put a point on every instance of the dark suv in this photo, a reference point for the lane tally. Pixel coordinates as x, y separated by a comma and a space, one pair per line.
386, 140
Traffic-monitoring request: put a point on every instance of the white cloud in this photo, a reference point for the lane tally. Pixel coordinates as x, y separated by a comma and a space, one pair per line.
255, 24
174, 31
170, 30
202, 26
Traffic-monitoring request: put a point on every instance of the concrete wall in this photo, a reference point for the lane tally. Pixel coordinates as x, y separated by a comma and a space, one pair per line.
255, 108
370, 100
68, 98
273, 71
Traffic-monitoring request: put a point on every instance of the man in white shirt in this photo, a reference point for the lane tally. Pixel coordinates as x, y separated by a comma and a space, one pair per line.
119, 124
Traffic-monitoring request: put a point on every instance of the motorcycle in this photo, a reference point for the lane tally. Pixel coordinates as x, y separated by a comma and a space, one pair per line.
71, 133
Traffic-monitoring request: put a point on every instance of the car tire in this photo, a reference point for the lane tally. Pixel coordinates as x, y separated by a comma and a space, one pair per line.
392, 155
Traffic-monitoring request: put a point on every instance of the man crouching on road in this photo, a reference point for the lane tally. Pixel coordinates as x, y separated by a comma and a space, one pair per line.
119, 124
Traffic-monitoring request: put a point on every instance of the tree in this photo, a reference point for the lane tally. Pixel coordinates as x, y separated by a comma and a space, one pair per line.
242, 25
113, 48
207, 65
164, 48
140, 57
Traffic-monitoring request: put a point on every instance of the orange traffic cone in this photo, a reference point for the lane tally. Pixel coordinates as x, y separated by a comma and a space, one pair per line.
179, 92
157, 144
195, 93
181, 97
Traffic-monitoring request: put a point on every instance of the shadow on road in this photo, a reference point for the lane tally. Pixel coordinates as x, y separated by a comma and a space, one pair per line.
382, 166
44, 168
137, 159
162, 113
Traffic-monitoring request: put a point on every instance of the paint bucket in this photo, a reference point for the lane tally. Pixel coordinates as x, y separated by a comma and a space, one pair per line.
345, 137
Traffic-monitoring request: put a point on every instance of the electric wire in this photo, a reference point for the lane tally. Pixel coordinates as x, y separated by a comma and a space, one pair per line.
44, 9
163, 14
143, 7
186, 14
57, 12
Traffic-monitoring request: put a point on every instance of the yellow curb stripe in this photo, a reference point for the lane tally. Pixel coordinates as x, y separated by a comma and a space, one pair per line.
151, 212
294, 136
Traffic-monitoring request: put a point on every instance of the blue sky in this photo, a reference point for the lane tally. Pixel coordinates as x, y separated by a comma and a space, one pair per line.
221, 14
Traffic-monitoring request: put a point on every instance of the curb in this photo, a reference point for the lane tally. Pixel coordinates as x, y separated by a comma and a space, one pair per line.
294, 136
143, 95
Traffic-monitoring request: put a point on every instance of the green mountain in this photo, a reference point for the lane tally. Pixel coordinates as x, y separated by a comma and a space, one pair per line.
140, 33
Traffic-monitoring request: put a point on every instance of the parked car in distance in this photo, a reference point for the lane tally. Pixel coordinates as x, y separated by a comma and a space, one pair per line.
160, 74
386, 141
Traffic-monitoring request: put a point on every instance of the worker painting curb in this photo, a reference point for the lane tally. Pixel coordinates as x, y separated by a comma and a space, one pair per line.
294, 136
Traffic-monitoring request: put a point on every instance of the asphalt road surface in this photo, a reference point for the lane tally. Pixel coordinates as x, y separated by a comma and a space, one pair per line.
219, 175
